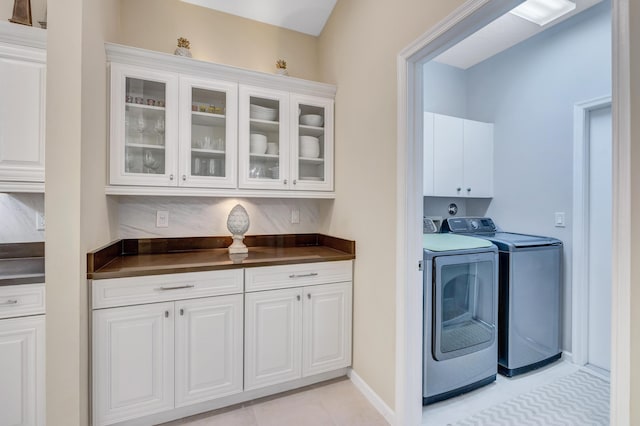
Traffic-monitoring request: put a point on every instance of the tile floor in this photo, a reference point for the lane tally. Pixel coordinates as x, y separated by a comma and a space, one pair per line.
337, 403
450, 411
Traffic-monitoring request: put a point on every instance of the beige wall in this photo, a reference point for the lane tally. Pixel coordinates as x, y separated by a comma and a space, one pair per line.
217, 37
77, 209
357, 52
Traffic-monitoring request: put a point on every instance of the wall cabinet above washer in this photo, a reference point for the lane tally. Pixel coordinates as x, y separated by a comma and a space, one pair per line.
458, 157
183, 127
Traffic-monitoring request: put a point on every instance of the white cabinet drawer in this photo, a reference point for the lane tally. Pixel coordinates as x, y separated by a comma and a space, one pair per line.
21, 300
160, 288
285, 276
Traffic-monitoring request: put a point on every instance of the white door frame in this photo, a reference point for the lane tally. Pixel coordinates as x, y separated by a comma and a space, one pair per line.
581, 236
469, 17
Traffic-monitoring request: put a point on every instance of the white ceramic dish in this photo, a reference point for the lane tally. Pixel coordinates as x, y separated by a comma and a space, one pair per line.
262, 113
257, 143
311, 120
309, 147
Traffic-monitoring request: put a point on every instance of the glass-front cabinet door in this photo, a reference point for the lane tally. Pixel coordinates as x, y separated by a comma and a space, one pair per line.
311, 143
208, 133
144, 128
263, 138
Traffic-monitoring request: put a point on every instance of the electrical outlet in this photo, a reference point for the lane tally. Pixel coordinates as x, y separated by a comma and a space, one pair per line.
39, 221
560, 220
162, 219
295, 216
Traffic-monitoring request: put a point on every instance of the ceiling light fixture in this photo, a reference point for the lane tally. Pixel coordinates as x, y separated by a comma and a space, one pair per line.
542, 12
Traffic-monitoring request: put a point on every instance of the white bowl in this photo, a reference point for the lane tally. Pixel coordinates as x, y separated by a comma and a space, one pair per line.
262, 113
311, 120
257, 143
309, 147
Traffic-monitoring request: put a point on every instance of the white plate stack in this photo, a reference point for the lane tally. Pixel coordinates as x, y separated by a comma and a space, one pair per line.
309, 147
262, 113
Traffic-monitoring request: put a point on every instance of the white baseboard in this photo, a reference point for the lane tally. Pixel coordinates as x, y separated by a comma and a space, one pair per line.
372, 397
567, 356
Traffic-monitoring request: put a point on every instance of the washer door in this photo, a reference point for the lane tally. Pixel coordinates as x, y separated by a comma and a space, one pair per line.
464, 299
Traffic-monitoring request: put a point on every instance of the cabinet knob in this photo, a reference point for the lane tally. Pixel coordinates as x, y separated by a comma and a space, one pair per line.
468, 189
285, 181
298, 297
181, 311
171, 177
295, 181
184, 177
308, 295
166, 314
458, 189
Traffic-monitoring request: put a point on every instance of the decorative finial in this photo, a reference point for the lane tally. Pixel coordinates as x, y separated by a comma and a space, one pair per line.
238, 224
281, 67
183, 47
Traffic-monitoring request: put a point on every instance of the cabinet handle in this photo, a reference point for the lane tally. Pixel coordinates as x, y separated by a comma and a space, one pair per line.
175, 288
298, 297
285, 181
166, 314
312, 274
10, 302
184, 178
181, 311
468, 189
171, 177
308, 295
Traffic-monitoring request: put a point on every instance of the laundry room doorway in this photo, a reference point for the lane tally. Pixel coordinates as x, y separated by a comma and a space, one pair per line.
593, 237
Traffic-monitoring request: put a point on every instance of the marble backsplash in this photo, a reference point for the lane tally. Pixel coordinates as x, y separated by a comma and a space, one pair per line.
18, 217
189, 217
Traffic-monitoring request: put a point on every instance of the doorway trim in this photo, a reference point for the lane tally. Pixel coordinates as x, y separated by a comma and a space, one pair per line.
581, 236
469, 17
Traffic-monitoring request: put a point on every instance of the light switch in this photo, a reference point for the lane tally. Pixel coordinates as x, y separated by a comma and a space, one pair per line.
39, 221
162, 219
560, 220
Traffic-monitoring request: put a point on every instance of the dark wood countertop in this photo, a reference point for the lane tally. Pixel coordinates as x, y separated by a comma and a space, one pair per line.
138, 257
21, 263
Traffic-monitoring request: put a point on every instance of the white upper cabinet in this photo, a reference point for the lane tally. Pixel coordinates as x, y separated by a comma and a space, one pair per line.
186, 127
144, 126
311, 143
22, 110
208, 133
478, 159
264, 138
458, 157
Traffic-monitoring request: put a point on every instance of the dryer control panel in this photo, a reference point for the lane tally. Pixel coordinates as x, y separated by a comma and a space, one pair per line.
468, 225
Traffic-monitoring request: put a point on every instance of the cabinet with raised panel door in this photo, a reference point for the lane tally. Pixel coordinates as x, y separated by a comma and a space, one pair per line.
22, 355
295, 330
22, 108
155, 357
458, 157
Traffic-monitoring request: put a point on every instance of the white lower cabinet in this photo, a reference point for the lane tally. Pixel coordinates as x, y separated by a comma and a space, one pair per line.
22, 361
298, 332
327, 328
132, 362
273, 337
208, 349
203, 341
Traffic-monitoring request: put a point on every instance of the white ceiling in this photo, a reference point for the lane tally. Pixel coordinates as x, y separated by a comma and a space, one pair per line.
506, 31
305, 16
